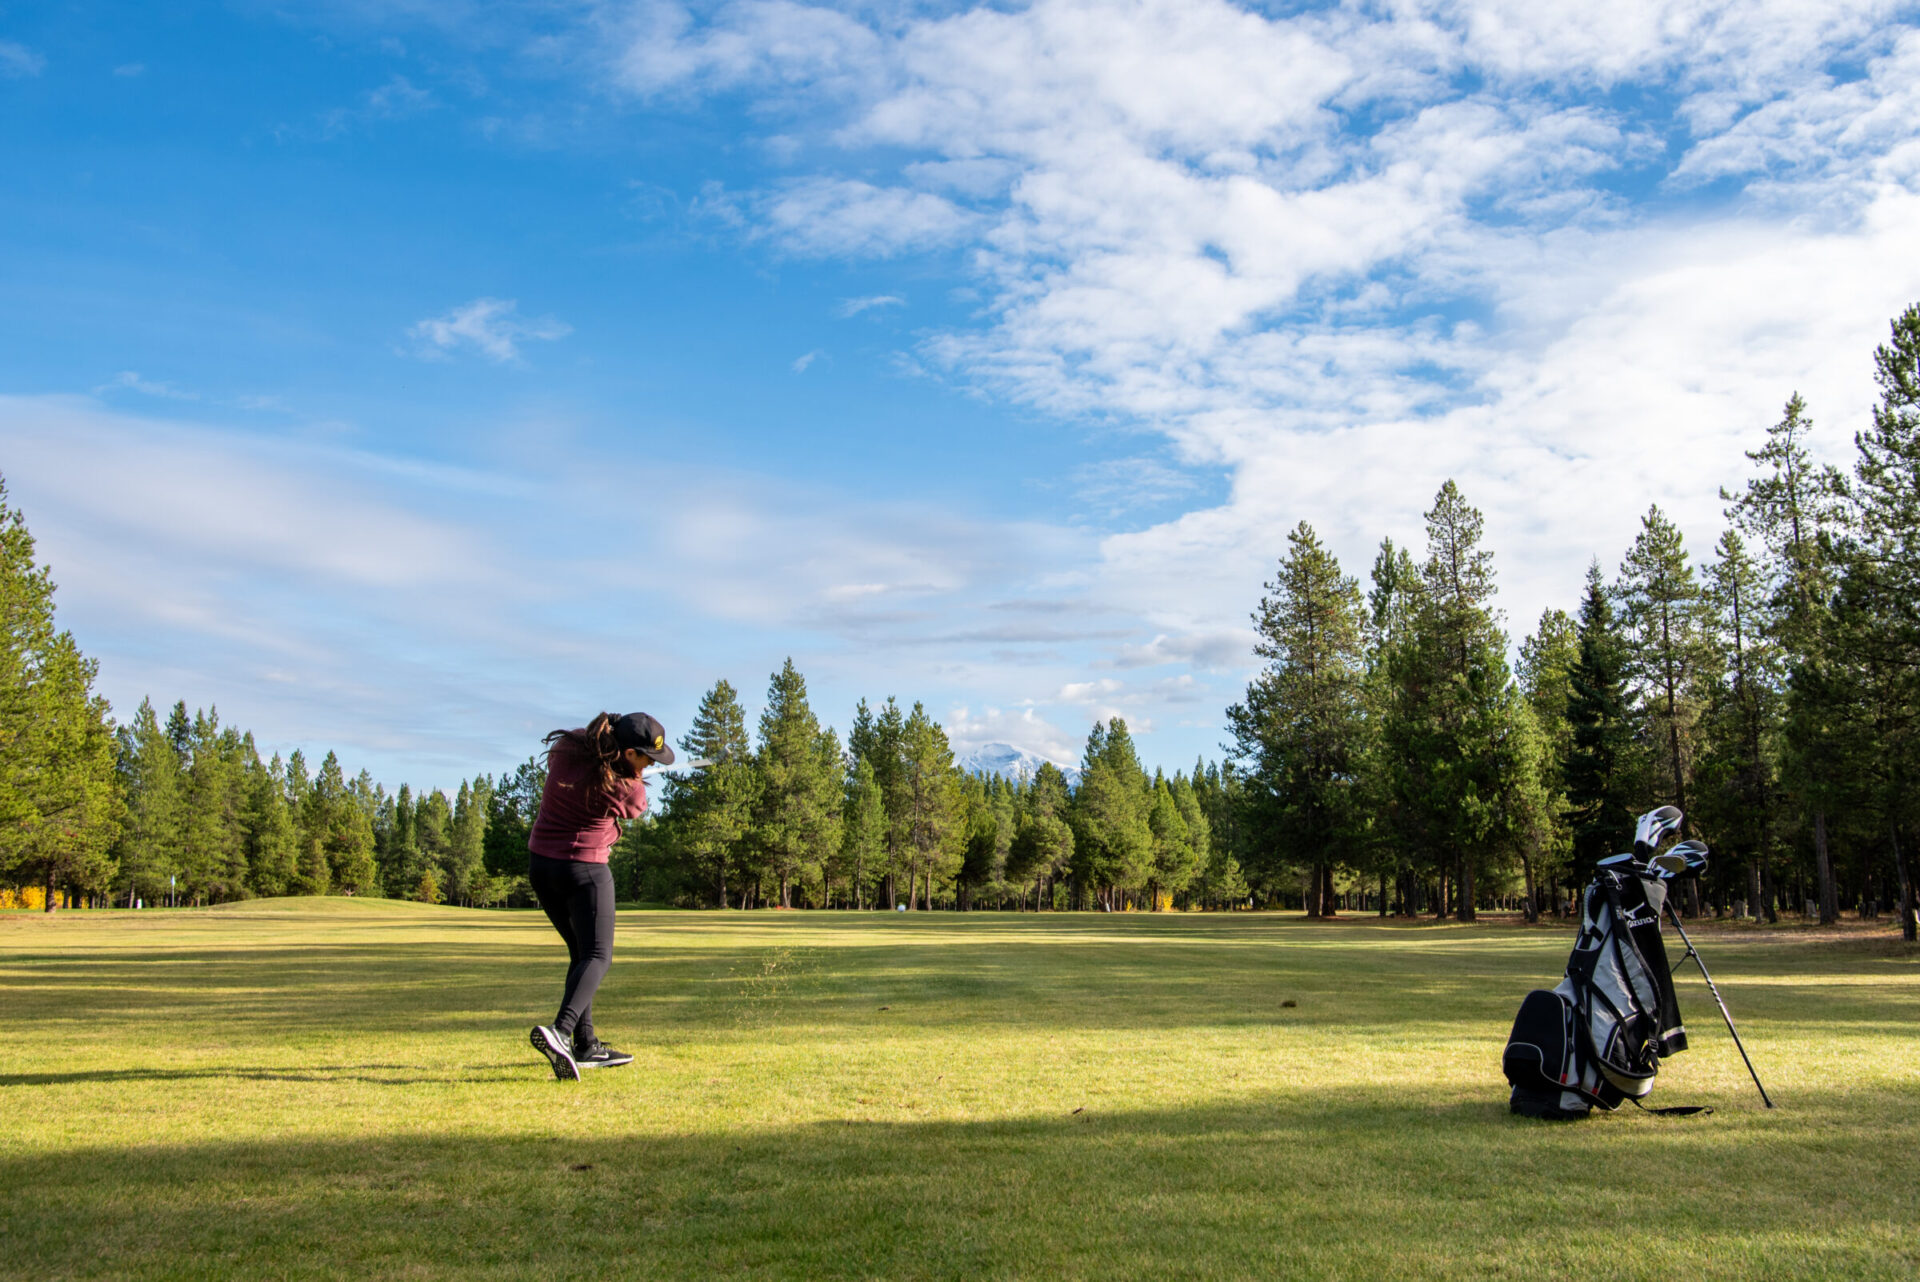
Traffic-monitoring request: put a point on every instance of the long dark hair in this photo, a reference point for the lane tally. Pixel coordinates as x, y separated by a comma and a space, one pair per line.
598, 743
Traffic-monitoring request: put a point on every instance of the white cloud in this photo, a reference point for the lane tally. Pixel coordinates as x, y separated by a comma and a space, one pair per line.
801, 363
130, 380
18, 61
847, 216
1345, 253
487, 325
854, 306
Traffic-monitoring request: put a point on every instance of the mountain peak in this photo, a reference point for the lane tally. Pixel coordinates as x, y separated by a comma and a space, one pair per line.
1007, 761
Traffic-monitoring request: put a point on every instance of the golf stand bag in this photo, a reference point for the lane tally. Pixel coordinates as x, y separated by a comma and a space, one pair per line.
1599, 1036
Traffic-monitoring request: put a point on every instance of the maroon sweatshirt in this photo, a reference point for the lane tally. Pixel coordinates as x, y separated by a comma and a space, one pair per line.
577, 819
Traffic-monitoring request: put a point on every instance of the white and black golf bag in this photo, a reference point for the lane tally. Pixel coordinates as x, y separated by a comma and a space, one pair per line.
1599, 1036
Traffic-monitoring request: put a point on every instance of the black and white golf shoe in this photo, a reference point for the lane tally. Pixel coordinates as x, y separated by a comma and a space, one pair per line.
598, 1054
554, 1045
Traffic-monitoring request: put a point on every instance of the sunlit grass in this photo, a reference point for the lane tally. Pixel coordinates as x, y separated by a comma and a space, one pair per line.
330, 1088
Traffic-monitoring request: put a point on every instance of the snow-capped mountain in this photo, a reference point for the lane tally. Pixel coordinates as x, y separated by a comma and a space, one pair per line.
1007, 761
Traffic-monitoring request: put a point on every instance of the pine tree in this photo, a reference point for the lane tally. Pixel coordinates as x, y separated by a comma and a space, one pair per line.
1793, 507
1393, 837
1175, 861
796, 819
1112, 839
212, 859
932, 836
1601, 767
150, 778
1740, 727
1467, 770
1883, 632
1041, 848
980, 858
863, 829
466, 846
270, 836
710, 810
343, 833
1660, 611
1547, 659
59, 808
1302, 724
511, 808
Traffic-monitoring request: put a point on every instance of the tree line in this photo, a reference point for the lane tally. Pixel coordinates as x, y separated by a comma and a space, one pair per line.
1386, 757
1390, 754
792, 817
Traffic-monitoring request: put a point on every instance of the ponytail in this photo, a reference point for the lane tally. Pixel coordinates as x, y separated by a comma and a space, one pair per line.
597, 742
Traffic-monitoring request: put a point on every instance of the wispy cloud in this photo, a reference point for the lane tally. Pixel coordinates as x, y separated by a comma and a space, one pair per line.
802, 363
19, 61
490, 326
130, 381
398, 98
854, 306
416, 612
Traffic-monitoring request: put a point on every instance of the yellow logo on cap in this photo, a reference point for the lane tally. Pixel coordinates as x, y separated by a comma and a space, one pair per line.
659, 741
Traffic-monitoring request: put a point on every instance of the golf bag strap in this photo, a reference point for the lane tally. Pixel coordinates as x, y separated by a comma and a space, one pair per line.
1675, 1110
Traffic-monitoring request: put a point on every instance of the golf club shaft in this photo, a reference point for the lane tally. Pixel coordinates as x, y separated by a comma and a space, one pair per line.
1715, 990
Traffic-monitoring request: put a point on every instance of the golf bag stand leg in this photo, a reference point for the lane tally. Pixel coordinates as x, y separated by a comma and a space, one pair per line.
1714, 989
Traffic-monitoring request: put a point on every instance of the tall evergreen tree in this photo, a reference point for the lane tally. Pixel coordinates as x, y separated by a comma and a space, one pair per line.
466, 845
271, 840
1547, 660
59, 809
1041, 849
931, 837
1302, 723
150, 777
511, 808
863, 829
1461, 743
1112, 839
1884, 563
1175, 860
711, 810
1601, 767
1793, 508
1738, 766
1661, 613
796, 819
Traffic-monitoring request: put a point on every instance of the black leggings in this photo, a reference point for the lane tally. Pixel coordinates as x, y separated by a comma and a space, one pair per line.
578, 898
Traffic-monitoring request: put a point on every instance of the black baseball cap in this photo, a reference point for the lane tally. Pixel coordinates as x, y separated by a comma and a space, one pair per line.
641, 732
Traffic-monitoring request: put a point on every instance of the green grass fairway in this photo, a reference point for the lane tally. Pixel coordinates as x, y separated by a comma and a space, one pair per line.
344, 1089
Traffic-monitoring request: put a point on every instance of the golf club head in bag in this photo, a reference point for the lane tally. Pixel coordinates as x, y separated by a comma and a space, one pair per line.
1685, 859
1655, 827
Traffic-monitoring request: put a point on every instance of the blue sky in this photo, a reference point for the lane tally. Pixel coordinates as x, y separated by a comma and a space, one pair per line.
409, 379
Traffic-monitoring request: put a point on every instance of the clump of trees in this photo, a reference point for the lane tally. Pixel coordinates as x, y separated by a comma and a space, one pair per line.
206, 820
791, 817
1391, 756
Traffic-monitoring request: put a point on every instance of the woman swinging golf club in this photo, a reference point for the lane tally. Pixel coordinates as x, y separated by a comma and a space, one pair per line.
593, 782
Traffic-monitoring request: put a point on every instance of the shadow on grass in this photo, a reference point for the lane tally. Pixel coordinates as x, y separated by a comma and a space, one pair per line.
1346, 1184
1030, 982
516, 1069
